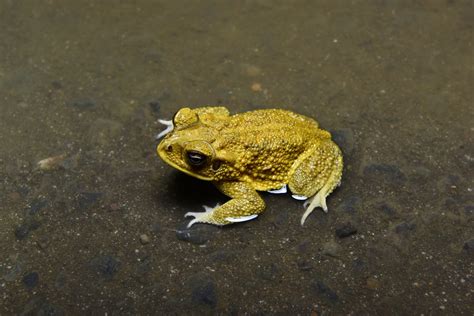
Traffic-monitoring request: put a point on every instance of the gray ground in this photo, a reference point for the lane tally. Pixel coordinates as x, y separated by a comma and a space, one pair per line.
104, 231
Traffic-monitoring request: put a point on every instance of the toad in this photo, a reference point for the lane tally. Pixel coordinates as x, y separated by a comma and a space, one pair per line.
269, 150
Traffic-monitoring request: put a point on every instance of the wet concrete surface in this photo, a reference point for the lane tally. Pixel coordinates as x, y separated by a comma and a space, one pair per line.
101, 230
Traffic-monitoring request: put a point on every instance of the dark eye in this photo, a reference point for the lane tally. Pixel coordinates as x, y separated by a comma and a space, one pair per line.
195, 158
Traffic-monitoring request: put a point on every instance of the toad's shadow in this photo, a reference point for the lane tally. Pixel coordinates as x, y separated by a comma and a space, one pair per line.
192, 193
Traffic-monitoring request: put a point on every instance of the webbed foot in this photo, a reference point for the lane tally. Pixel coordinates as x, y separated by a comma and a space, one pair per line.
201, 217
319, 200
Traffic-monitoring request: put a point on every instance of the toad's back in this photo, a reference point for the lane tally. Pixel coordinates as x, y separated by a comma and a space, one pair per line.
267, 143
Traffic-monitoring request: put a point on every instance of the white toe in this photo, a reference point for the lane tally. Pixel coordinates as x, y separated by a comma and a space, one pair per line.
241, 219
279, 191
299, 197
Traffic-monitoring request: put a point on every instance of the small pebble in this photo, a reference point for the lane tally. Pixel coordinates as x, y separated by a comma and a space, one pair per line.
345, 230
155, 106
51, 163
42, 243
372, 283
144, 239
469, 246
87, 199
31, 280
114, 207
404, 227
304, 265
22, 231
84, 104
321, 289
256, 87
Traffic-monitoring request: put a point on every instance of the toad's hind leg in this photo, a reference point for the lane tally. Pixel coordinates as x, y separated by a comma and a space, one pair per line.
317, 175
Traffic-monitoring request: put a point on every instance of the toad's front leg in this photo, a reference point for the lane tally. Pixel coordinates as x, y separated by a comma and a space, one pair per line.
245, 205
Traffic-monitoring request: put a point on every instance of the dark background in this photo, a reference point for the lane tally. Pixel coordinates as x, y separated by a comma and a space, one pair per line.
103, 232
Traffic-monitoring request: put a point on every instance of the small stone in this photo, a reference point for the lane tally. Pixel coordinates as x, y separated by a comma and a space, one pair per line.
469, 210
345, 230
37, 205
331, 249
404, 227
84, 104
420, 174
304, 246
155, 106
22, 231
51, 163
372, 283
42, 243
358, 264
87, 199
31, 279
304, 265
387, 209
321, 289
144, 239
469, 246
13, 273
256, 87
114, 207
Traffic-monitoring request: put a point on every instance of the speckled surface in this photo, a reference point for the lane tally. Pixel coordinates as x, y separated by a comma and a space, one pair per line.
103, 231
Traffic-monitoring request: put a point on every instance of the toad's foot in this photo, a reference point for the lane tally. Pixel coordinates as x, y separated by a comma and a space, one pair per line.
169, 127
207, 216
319, 200
201, 217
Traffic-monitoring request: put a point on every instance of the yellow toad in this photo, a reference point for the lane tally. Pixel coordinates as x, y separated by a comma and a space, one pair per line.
263, 150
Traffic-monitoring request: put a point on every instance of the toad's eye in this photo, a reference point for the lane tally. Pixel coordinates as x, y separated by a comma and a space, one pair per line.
195, 158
